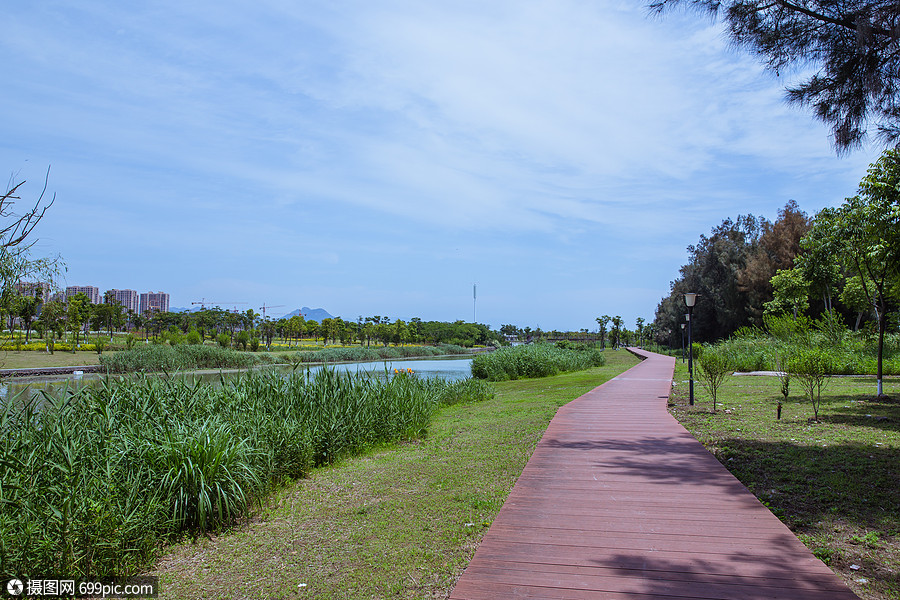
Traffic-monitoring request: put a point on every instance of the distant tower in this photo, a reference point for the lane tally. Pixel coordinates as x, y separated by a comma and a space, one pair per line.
474, 300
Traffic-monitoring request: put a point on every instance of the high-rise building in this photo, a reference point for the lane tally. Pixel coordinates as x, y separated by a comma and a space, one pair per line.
158, 301
40, 289
129, 299
93, 293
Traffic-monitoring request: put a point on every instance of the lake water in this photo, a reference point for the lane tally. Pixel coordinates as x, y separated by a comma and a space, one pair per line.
451, 369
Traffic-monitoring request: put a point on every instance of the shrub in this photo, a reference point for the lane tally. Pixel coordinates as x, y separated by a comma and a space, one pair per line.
223, 340
713, 366
193, 337
811, 366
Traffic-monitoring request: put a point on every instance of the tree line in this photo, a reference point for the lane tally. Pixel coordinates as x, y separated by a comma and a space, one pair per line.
77, 316
840, 268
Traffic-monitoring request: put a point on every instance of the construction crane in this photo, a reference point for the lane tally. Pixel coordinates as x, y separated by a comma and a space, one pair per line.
264, 307
203, 302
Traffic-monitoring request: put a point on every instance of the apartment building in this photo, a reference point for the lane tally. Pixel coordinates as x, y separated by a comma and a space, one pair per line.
40, 289
129, 299
93, 293
158, 301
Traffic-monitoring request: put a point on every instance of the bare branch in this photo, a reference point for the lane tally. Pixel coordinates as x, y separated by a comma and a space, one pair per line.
17, 232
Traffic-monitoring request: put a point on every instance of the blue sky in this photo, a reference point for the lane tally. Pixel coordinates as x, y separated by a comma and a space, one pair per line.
382, 157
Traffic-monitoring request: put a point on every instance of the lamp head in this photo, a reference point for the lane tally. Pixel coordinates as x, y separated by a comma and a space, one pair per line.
690, 299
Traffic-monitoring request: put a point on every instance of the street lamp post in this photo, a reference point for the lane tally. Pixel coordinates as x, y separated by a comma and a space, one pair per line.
690, 299
682, 343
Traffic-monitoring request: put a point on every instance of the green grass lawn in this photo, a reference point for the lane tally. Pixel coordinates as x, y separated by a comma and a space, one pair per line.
835, 483
402, 522
12, 359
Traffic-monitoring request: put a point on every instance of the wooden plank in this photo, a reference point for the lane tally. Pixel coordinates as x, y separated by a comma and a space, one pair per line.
620, 502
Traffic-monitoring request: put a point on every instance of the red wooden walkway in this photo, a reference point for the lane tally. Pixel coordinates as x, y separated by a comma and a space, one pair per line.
619, 501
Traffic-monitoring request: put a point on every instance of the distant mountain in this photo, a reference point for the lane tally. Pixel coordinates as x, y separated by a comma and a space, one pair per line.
313, 314
177, 309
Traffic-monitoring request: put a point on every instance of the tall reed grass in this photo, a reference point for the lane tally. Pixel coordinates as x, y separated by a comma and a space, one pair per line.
155, 358
93, 482
359, 353
161, 357
539, 360
852, 353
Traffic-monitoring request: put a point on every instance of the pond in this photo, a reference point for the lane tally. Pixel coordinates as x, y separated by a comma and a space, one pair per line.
450, 368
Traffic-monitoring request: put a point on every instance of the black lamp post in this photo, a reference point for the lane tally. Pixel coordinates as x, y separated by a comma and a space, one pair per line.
690, 299
682, 343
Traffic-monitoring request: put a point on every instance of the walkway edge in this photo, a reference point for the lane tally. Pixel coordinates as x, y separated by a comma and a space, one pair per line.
619, 501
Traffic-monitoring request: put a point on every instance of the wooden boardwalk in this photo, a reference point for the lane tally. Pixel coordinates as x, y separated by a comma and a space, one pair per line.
619, 501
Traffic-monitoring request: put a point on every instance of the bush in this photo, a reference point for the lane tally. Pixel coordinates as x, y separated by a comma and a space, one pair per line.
713, 366
811, 366
223, 340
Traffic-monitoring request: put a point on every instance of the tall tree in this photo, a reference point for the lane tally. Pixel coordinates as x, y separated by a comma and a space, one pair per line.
617, 329
52, 319
27, 309
16, 237
852, 43
111, 312
249, 319
267, 329
776, 249
713, 272
602, 323
78, 311
791, 293
865, 231
818, 266
854, 297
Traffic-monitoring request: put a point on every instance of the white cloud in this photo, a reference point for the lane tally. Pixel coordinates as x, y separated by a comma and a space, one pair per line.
349, 135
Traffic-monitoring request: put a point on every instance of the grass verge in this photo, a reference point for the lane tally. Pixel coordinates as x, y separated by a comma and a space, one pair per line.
36, 360
835, 483
401, 522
